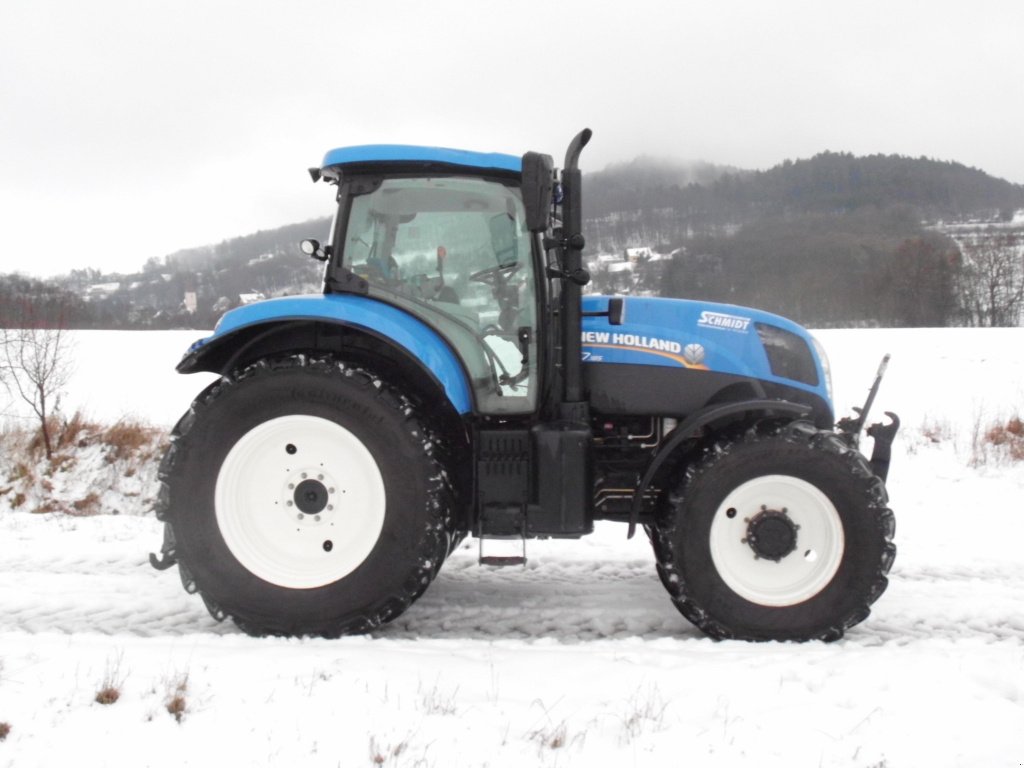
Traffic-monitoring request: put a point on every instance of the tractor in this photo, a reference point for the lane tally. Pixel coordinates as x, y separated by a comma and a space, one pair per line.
453, 379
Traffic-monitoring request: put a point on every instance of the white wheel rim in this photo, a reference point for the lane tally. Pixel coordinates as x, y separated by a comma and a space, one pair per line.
800, 574
258, 509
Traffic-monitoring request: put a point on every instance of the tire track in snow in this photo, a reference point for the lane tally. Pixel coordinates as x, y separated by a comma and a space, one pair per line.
567, 600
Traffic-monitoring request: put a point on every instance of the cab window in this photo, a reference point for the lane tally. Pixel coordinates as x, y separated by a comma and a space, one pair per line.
455, 252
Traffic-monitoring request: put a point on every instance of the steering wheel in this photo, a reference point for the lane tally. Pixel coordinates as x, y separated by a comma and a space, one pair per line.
493, 276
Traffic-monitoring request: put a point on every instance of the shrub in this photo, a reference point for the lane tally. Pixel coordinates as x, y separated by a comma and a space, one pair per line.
1008, 438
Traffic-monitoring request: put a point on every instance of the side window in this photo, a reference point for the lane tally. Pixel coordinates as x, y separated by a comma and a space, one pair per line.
455, 252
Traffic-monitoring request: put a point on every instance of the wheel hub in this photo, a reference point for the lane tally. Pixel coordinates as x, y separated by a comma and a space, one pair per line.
771, 534
311, 497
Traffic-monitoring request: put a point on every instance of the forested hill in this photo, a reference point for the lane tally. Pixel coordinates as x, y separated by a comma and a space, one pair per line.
841, 182
835, 240
649, 203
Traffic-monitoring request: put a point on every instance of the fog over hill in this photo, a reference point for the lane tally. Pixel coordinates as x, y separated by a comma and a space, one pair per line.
859, 232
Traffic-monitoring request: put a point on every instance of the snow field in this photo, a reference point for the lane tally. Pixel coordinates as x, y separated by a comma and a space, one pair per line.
577, 659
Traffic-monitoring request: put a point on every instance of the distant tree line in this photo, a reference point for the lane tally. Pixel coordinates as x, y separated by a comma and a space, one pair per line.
831, 241
827, 270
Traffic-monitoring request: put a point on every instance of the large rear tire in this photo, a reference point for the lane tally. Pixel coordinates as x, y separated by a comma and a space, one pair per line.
305, 497
778, 536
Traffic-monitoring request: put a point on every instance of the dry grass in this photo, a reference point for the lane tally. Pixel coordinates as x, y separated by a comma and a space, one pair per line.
1008, 437
437, 702
29, 481
90, 505
551, 737
937, 432
175, 703
71, 433
113, 680
1000, 442
381, 755
108, 696
5, 729
645, 713
128, 439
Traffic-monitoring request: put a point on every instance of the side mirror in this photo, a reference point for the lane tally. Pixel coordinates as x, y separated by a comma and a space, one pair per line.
538, 181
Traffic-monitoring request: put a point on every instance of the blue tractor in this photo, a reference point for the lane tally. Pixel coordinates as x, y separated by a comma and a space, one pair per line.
452, 380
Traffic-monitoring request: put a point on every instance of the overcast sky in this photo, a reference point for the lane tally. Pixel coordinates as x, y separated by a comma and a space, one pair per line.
130, 129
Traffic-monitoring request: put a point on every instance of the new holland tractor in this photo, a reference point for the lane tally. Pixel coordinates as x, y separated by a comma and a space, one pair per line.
452, 379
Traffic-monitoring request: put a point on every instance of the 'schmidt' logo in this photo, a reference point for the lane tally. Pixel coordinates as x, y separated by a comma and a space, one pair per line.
723, 321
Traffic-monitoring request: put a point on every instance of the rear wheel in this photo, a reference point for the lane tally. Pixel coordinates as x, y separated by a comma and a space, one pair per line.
305, 497
780, 536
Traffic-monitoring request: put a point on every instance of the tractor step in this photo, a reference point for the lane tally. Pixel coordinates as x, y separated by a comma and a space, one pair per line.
502, 526
511, 551
501, 562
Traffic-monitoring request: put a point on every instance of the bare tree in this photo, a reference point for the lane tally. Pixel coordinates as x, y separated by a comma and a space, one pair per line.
992, 280
35, 365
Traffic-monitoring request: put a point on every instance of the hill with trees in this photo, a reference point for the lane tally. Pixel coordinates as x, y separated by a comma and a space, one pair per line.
831, 240
835, 240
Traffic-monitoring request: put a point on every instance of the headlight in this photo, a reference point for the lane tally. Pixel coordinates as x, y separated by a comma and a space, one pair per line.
826, 368
788, 354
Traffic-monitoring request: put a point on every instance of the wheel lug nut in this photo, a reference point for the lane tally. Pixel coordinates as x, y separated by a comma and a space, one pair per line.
291, 504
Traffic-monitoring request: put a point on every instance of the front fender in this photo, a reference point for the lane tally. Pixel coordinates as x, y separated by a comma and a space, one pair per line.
386, 322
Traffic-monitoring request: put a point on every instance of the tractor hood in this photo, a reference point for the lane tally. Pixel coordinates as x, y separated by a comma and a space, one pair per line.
703, 336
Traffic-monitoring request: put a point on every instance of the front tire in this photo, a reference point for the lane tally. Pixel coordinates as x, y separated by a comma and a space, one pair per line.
305, 497
779, 536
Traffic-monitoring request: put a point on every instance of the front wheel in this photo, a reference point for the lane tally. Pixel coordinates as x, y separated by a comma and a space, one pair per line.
305, 496
778, 536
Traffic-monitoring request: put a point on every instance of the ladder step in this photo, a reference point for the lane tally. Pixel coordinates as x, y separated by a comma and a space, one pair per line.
501, 562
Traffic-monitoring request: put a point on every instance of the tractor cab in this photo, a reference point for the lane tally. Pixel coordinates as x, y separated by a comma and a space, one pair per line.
443, 236
448, 244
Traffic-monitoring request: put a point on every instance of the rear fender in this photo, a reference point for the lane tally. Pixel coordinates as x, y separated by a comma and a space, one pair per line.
243, 332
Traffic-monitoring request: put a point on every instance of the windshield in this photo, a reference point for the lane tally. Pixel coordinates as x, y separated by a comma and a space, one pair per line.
455, 252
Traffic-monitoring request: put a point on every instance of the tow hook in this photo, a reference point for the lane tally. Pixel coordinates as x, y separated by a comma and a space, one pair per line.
162, 564
167, 557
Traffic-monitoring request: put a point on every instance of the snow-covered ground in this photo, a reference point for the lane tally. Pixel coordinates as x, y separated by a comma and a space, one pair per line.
578, 659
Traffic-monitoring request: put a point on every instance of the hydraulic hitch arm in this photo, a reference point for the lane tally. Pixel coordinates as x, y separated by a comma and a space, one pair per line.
883, 434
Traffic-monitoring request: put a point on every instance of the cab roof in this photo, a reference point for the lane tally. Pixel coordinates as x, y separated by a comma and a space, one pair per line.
420, 157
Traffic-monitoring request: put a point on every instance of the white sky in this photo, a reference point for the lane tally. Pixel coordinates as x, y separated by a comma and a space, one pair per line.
130, 129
